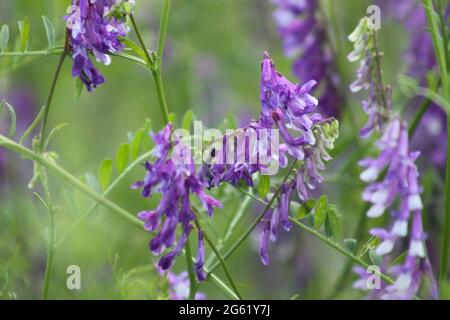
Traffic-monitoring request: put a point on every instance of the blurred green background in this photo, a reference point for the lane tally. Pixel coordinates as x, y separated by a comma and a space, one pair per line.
211, 66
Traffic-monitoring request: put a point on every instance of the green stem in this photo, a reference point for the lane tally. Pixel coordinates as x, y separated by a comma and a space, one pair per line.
70, 179
163, 29
224, 266
192, 282
51, 237
50, 94
243, 237
418, 117
154, 66
446, 232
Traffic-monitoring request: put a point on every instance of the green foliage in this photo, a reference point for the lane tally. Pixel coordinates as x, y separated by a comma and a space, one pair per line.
24, 28
122, 157
105, 173
4, 37
320, 212
351, 244
12, 116
263, 186
49, 31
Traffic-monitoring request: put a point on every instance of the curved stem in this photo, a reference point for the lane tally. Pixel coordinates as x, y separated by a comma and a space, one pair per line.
70, 179
52, 90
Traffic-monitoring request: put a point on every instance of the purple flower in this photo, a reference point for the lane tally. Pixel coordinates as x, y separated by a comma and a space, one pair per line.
175, 178
401, 184
94, 27
179, 285
304, 40
290, 108
377, 105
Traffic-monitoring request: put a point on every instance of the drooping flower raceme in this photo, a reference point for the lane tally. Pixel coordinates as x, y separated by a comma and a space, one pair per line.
305, 41
305, 136
174, 176
393, 176
377, 105
399, 184
94, 27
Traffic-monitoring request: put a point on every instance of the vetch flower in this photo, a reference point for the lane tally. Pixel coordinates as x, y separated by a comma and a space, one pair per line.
178, 285
378, 103
94, 27
176, 179
399, 184
305, 40
305, 136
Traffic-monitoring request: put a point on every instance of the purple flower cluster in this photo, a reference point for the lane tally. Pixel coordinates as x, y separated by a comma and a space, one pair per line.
305, 135
304, 39
93, 27
377, 105
174, 176
399, 184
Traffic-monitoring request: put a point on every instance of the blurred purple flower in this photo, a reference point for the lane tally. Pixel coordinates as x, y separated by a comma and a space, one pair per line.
175, 178
179, 285
305, 40
431, 134
94, 27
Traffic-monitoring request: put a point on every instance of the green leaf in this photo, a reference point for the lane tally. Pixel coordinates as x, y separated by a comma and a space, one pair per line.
24, 27
263, 186
351, 244
12, 117
133, 46
375, 258
306, 208
4, 37
172, 117
50, 31
92, 182
136, 143
122, 157
320, 212
335, 222
187, 120
105, 173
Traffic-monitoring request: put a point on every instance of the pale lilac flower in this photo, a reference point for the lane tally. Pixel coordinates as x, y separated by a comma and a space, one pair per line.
378, 103
179, 285
305, 40
175, 181
400, 184
94, 27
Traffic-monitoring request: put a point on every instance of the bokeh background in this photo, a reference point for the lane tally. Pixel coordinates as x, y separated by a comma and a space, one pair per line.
212, 67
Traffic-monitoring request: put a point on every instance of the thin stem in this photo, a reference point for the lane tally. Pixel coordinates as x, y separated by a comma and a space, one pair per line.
418, 117
163, 30
192, 282
52, 90
150, 61
379, 72
446, 232
70, 179
51, 236
155, 70
224, 266
243, 237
